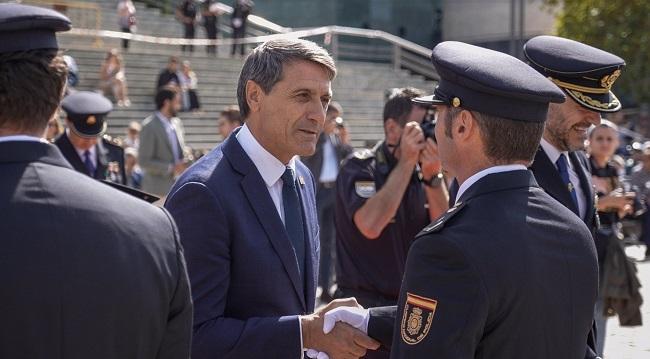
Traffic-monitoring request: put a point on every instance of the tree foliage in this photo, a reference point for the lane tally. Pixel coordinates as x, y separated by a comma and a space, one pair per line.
621, 27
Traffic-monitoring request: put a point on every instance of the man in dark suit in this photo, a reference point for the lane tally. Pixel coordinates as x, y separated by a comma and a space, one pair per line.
324, 165
586, 74
84, 144
467, 289
247, 217
87, 271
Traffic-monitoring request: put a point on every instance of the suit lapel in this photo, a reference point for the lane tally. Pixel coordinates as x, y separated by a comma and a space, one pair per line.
549, 179
102, 160
260, 201
70, 154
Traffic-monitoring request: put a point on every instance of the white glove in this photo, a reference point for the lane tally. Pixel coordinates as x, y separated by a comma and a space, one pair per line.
356, 317
315, 354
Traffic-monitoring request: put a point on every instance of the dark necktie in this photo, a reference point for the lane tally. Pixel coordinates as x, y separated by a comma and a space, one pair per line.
293, 217
90, 167
563, 168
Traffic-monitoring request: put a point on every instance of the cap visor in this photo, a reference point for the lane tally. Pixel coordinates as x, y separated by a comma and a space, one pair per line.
427, 100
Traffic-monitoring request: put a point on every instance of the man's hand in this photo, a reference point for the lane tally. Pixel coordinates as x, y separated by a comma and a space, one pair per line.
179, 168
411, 143
342, 341
429, 160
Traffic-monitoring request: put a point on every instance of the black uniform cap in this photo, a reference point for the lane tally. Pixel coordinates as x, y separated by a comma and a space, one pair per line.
584, 72
87, 111
24, 27
490, 82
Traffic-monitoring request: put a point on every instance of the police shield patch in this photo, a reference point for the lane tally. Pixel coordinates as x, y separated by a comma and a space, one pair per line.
416, 318
365, 189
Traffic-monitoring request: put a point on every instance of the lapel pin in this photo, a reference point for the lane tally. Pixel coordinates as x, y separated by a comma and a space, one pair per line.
301, 180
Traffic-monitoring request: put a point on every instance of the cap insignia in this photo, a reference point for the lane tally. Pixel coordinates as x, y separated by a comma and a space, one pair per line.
91, 120
455, 102
608, 80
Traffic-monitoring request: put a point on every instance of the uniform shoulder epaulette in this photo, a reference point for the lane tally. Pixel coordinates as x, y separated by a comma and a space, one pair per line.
364, 154
440, 222
113, 141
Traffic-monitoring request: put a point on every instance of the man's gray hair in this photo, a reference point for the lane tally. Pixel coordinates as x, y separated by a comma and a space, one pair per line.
265, 64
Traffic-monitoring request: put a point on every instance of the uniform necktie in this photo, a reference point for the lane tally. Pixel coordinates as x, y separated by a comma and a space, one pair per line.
90, 167
293, 217
563, 168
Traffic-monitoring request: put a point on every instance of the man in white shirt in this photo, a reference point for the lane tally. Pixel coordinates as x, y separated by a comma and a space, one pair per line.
507, 272
247, 217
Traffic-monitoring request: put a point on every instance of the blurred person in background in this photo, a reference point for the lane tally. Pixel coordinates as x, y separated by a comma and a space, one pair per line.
73, 73
169, 75
613, 204
132, 138
84, 144
640, 178
343, 131
229, 120
126, 19
324, 165
238, 21
162, 153
112, 78
210, 13
186, 14
189, 83
134, 173
54, 129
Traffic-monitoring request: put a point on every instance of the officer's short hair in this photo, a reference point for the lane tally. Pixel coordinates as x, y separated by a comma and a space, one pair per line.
523, 137
399, 105
32, 84
266, 62
165, 93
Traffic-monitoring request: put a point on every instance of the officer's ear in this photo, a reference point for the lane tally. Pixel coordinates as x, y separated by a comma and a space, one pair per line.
464, 126
254, 95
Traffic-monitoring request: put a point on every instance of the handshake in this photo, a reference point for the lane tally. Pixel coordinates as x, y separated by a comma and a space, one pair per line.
338, 330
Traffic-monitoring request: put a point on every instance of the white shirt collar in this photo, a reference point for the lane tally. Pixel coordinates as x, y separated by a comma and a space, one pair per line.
22, 138
269, 167
553, 153
490, 170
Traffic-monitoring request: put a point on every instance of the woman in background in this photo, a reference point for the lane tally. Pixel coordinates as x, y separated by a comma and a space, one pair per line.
112, 78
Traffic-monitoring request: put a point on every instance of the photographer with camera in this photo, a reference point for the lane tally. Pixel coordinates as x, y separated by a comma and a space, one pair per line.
385, 196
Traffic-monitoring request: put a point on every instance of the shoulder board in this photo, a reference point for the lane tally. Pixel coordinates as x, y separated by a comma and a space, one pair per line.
112, 141
364, 154
440, 222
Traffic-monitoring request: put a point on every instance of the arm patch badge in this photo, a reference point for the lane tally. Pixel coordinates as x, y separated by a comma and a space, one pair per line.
417, 318
365, 189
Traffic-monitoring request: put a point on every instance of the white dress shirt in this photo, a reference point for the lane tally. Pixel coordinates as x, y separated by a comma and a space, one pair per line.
330, 168
271, 170
554, 154
490, 170
171, 135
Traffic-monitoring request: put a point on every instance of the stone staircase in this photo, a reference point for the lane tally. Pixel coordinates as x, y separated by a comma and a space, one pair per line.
359, 86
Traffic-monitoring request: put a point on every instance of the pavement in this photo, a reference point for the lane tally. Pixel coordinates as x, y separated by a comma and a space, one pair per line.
634, 342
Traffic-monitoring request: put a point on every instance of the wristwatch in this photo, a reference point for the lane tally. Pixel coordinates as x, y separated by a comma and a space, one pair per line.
435, 181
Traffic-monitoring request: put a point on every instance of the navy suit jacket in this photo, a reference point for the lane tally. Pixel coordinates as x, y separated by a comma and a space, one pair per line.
245, 282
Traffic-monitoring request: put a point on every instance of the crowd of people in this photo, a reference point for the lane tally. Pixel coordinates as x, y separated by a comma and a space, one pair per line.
489, 222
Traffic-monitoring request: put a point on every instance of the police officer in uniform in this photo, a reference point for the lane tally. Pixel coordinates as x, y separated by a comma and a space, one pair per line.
586, 75
87, 271
507, 272
84, 144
